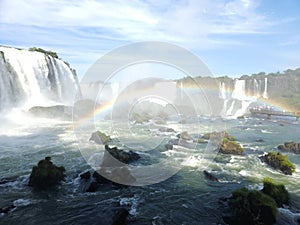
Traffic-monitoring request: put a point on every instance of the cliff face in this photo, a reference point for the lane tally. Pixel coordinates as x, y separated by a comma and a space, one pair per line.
229, 97
29, 78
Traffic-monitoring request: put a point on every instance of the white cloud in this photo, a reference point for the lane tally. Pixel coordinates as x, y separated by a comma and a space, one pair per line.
179, 21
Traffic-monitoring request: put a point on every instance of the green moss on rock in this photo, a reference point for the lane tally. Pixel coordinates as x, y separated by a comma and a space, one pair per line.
230, 147
279, 161
276, 191
252, 208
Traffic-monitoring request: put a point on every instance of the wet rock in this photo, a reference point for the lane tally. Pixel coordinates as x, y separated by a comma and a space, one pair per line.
218, 136
120, 217
93, 187
290, 147
200, 141
169, 146
113, 156
230, 147
174, 141
100, 138
184, 135
46, 174
86, 175
7, 209
279, 162
166, 129
209, 176
259, 140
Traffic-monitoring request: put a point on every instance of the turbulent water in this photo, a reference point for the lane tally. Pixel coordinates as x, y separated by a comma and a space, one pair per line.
185, 198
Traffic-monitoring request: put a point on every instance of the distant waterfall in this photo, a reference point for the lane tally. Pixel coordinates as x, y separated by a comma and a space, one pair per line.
33, 78
236, 104
265, 94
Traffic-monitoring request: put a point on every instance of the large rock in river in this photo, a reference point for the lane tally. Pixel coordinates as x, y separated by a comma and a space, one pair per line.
290, 147
46, 174
279, 162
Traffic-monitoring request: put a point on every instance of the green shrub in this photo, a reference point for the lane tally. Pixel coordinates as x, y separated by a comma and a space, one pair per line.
276, 191
252, 208
50, 53
279, 161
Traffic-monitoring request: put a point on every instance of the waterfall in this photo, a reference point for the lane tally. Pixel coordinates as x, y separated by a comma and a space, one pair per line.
256, 88
265, 94
33, 78
239, 96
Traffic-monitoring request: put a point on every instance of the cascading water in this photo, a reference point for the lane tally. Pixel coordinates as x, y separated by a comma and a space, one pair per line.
33, 78
265, 94
239, 101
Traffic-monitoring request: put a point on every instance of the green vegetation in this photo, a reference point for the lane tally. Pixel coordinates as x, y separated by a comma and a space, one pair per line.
50, 53
252, 208
279, 161
276, 191
230, 147
219, 135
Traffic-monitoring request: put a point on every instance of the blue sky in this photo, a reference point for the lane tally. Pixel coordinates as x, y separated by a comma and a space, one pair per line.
233, 37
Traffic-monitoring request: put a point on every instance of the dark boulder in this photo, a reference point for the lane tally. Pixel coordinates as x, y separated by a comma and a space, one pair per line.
46, 174
209, 176
93, 186
86, 175
120, 217
113, 156
7, 209
169, 146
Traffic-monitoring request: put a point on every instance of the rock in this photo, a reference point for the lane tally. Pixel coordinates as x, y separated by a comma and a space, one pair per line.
169, 146
7, 209
56, 111
279, 162
140, 118
290, 147
230, 147
218, 136
86, 175
100, 138
174, 141
276, 191
200, 141
259, 140
209, 176
113, 154
184, 135
120, 217
251, 208
46, 174
166, 129
100, 179
93, 187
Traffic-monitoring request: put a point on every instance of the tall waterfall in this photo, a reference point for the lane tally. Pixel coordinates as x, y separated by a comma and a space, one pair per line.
33, 78
265, 94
